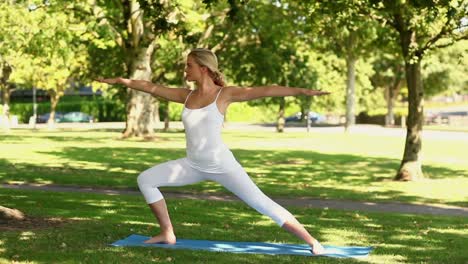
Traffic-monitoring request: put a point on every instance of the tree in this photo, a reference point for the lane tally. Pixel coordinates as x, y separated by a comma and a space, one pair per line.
421, 25
445, 71
389, 75
129, 30
53, 54
200, 29
15, 26
338, 26
264, 48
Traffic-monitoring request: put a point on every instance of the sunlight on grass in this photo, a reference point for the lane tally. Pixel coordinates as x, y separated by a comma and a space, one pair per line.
43, 181
102, 204
391, 259
26, 235
451, 231
137, 223
342, 237
296, 164
80, 218
264, 221
408, 236
397, 237
190, 224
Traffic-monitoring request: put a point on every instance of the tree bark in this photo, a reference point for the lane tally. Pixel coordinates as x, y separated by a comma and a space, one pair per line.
6, 71
54, 99
7, 214
410, 168
391, 94
166, 117
281, 121
350, 83
142, 108
389, 117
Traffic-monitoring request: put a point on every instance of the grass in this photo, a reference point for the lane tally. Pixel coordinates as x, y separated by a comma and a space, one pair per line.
334, 165
93, 221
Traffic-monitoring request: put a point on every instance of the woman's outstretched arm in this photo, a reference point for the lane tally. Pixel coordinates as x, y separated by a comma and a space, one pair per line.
171, 94
241, 94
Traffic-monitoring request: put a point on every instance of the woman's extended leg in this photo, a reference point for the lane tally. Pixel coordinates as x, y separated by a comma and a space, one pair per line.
238, 182
298, 230
171, 173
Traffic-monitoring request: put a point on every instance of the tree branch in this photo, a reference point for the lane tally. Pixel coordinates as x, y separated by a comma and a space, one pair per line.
448, 44
444, 30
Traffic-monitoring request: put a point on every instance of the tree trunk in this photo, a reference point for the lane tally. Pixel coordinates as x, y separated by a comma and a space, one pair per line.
6, 71
410, 168
6, 107
350, 83
391, 94
8, 214
281, 121
142, 108
166, 117
54, 99
389, 117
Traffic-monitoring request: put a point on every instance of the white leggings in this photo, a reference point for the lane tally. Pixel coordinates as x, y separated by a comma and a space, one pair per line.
179, 172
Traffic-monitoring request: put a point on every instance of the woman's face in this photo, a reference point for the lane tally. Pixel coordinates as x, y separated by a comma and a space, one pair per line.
193, 71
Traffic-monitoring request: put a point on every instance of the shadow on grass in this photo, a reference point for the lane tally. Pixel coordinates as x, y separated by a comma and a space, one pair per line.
278, 173
70, 135
105, 219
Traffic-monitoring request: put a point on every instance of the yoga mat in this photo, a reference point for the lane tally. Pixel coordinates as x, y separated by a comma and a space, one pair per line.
248, 247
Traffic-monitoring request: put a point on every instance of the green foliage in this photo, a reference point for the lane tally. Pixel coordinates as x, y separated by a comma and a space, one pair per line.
293, 43
433, 23
237, 112
446, 70
103, 110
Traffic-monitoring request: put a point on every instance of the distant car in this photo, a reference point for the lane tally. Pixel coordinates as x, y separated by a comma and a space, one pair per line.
443, 117
77, 117
45, 117
315, 118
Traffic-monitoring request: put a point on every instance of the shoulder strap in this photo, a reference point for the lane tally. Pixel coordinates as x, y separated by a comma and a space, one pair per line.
188, 95
218, 94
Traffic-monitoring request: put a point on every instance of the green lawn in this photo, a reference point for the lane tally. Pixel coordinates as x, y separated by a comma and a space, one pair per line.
91, 222
334, 165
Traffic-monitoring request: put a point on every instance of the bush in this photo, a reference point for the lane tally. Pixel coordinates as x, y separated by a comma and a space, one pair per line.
103, 110
238, 112
107, 110
364, 118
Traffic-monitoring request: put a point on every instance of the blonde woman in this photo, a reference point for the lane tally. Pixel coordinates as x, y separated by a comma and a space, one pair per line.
208, 158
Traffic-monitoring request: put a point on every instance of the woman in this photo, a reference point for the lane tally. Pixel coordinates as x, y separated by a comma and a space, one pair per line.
208, 158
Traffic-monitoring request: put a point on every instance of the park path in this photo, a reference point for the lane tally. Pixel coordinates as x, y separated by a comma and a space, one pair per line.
347, 205
302, 202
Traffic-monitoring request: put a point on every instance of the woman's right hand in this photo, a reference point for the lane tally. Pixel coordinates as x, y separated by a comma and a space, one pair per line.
109, 80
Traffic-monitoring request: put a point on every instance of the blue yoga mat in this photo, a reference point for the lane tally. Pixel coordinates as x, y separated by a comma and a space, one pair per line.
248, 247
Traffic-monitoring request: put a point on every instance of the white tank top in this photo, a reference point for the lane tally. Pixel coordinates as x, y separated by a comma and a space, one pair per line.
206, 150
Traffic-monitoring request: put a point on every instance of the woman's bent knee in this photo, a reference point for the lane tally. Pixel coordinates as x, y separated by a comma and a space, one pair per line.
142, 179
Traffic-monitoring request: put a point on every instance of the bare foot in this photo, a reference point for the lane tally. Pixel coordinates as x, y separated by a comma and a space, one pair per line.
165, 238
317, 248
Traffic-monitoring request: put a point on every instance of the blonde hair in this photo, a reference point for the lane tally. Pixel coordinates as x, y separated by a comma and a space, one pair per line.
207, 58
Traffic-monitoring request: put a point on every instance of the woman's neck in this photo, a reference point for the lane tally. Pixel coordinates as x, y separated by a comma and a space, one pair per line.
206, 85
